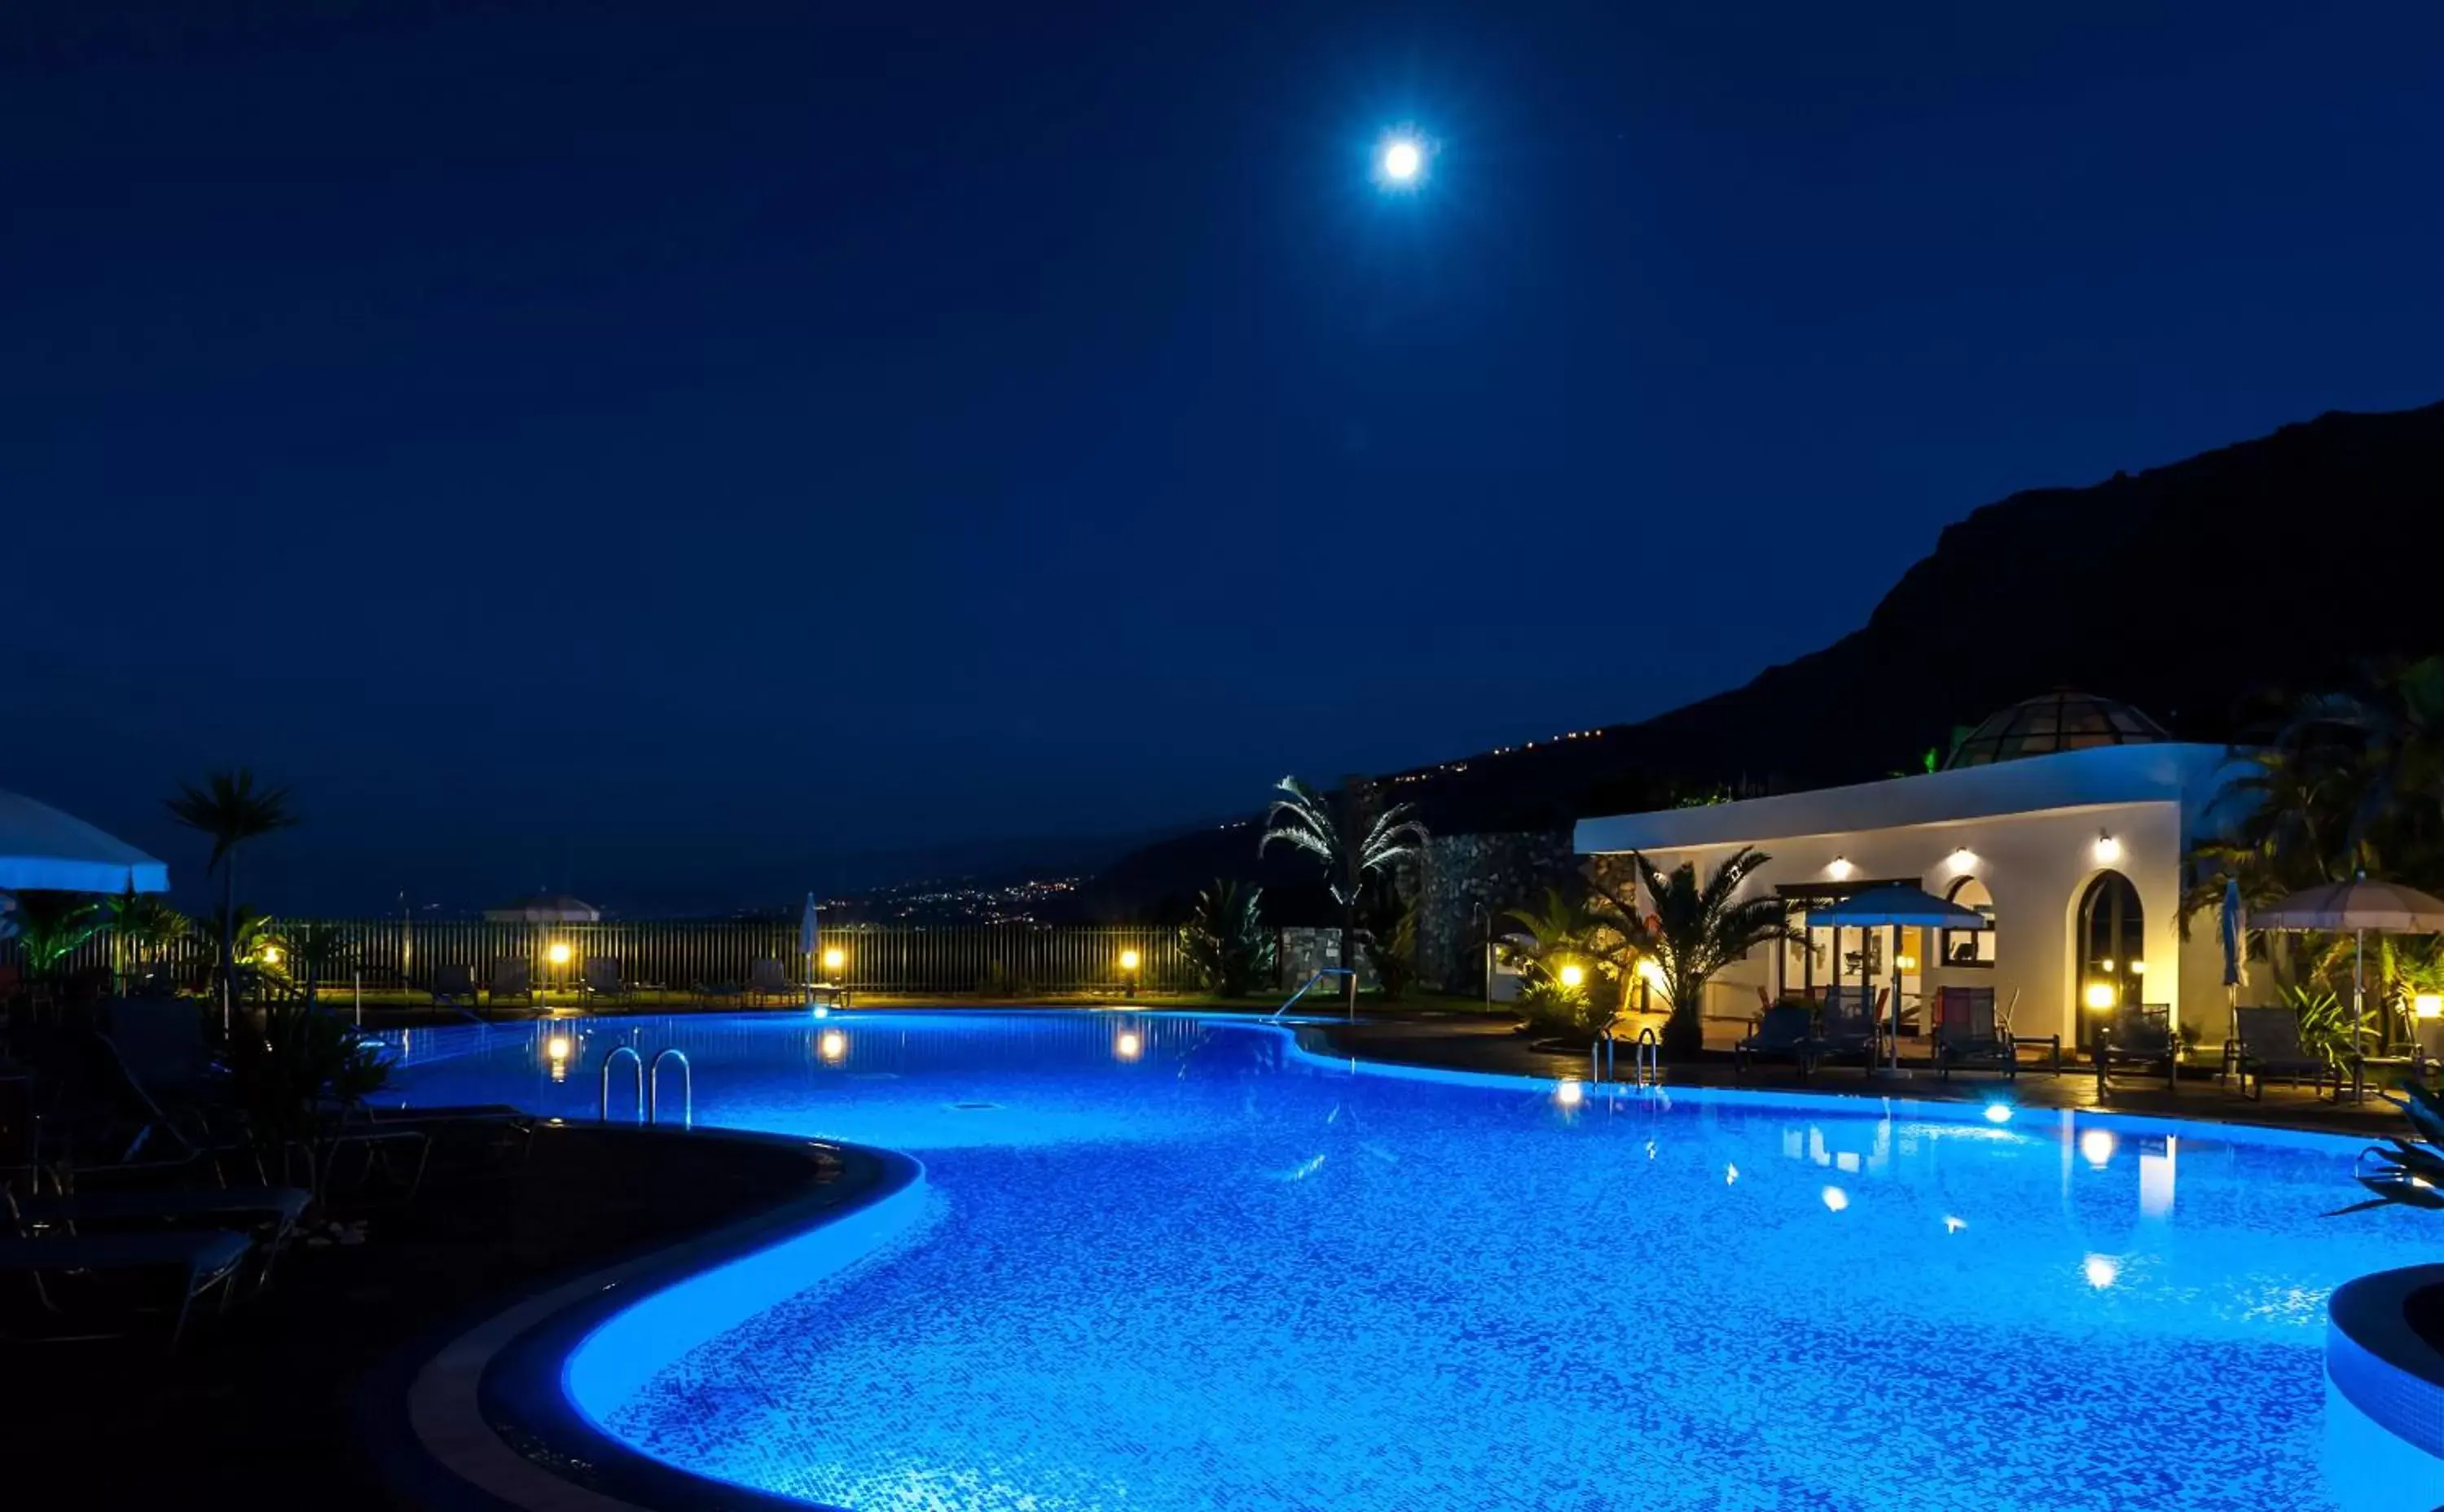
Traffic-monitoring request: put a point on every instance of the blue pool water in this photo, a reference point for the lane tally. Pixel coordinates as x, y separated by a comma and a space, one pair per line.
1163, 1264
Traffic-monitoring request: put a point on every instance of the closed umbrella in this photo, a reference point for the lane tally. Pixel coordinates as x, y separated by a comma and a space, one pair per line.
1896, 906
811, 939
2357, 908
44, 850
2234, 924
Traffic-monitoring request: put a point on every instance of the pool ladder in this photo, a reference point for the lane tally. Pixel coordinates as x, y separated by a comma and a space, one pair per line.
648, 1082
1328, 971
1645, 1058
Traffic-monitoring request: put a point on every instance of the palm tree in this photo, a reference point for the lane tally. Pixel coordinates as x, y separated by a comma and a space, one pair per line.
1225, 938
53, 926
231, 809
141, 922
1698, 932
1353, 835
1565, 926
2382, 747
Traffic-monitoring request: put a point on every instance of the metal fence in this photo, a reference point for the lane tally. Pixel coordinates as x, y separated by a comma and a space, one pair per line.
1010, 960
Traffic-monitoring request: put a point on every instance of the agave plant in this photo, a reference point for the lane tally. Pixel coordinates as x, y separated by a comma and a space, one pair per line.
1353, 834
1226, 941
2408, 1172
1387, 924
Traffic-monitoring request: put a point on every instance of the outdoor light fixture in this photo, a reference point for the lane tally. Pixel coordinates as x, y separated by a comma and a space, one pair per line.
2096, 1146
1841, 869
1998, 1113
1905, 961
557, 1047
2100, 1271
1650, 971
1400, 160
557, 954
1571, 1094
2105, 964
833, 1046
2137, 969
1953, 1225
271, 955
1836, 1199
1730, 1175
2108, 850
1129, 1045
834, 959
1129, 961
1963, 858
1573, 975
2428, 1004
2102, 995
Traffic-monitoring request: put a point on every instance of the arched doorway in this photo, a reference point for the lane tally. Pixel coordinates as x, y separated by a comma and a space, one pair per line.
2110, 947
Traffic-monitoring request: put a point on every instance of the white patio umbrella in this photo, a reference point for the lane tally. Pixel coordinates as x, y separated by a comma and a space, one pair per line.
2234, 929
811, 939
1896, 906
2357, 908
44, 850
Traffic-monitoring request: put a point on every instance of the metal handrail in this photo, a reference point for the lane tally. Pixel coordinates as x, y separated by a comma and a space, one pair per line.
604, 1113
1646, 1062
1329, 971
687, 1087
1600, 1056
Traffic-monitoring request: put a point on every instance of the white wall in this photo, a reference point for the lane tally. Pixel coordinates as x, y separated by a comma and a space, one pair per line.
2036, 865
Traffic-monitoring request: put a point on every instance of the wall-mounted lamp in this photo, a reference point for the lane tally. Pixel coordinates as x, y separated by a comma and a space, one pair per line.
1905, 961
2428, 1004
1964, 859
1841, 869
2100, 995
2108, 850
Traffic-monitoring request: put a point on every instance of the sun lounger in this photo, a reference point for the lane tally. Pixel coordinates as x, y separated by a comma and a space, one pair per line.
602, 982
454, 985
1967, 1035
1788, 1032
269, 1213
2138, 1034
2269, 1046
1847, 1027
513, 977
769, 978
203, 1259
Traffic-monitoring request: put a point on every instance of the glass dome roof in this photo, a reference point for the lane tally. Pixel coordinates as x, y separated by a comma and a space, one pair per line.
2054, 722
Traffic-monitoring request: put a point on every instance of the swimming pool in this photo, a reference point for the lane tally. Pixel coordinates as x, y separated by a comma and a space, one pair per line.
1165, 1262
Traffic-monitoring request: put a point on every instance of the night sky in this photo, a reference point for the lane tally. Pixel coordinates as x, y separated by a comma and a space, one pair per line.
689, 453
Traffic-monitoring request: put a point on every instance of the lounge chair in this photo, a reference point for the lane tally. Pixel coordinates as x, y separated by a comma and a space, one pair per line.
454, 986
1786, 1032
1966, 1035
2426, 1047
203, 1259
2269, 1046
1847, 1026
2138, 1034
769, 978
271, 1214
602, 979
513, 977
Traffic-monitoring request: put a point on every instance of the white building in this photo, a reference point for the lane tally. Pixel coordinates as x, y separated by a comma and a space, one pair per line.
2063, 818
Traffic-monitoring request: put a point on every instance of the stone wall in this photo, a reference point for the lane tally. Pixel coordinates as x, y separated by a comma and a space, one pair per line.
1471, 879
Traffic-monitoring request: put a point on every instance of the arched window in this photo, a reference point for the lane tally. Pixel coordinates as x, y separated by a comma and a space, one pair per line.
2112, 948
1971, 948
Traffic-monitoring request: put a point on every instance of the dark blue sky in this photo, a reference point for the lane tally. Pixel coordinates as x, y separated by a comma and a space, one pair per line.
675, 449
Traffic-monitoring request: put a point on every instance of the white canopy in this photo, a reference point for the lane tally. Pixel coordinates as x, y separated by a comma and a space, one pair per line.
2346, 908
44, 850
1894, 903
